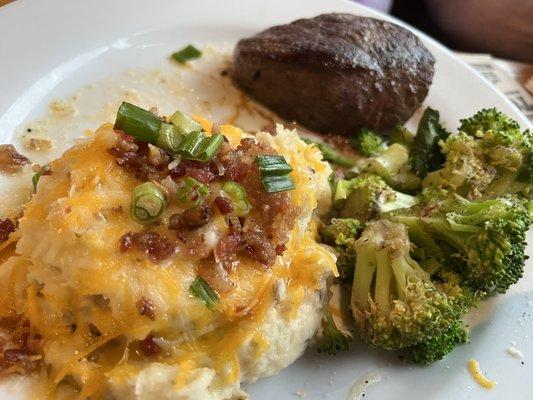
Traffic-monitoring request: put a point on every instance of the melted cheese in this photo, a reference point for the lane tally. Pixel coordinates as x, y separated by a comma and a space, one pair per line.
68, 246
473, 366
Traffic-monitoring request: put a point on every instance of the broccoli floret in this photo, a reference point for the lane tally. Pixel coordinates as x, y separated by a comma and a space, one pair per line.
333, 340
483, 242
488, 158
392, 165
402, 135
369, 195
341, 234
368, 143
396, 304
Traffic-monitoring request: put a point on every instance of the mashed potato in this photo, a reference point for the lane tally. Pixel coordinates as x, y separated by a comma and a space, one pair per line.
116, 324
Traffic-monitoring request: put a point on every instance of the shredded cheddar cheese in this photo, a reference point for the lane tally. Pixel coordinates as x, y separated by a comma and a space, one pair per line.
482, 380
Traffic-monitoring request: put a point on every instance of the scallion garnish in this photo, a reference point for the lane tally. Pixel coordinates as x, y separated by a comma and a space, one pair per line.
139, 123
169, 138
237, 194
204, 292
35, 179
148, 202
199, 147
186, 54
275, 171
192, 191
185, 123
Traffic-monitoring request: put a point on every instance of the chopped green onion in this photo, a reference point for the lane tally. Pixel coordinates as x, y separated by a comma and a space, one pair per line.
148, 202
237, 194
275, 184
204, 292
187, 53
192, 190
185, 123
199, 147
275, 171
35, 179
139, 123
273, 165
169, 138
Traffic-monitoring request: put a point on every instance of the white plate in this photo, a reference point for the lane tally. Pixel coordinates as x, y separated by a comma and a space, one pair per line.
50, 49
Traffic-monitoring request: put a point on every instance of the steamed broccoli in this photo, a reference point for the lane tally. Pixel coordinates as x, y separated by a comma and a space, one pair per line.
489, 157
341, 234
396, 305
483, 242
368, 143
367, 196
333, 340
392, 165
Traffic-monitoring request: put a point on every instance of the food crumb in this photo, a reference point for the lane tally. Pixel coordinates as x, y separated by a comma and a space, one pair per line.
37, 143
301, 393
515, 352
63, 108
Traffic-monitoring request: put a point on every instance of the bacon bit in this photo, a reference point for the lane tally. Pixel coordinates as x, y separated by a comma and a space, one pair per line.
202, 172
156, 247
223, 205
196, 217
148, 347
126, 242
10, 160
280, 249
6, 227
259, 247
146, 307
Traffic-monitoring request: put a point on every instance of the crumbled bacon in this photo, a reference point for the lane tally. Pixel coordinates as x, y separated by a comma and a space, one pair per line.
202, 172
156, 247
224, 205
24, 345
7, 226
10, 160
148, 347
145, 306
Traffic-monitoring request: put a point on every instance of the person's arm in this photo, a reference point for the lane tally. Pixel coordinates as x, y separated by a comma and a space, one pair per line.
500, 27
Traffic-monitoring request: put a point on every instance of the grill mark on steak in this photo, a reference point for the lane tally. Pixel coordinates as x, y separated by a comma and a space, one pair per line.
336, 73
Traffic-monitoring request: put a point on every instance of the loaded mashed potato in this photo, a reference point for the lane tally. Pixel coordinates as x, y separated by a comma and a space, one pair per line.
166, 259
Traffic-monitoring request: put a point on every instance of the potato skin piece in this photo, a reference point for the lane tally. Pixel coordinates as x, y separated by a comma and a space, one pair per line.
336, 73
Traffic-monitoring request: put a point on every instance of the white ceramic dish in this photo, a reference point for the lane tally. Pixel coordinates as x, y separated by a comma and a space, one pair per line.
50, 49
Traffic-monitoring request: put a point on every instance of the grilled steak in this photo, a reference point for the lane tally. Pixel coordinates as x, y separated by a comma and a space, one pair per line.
336, 73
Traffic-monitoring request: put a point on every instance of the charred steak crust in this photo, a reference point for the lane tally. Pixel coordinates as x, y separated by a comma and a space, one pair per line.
336, 73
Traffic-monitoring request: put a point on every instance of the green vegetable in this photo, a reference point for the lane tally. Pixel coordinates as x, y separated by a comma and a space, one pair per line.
169, 138
488, 158
148, 202
368, 143
186, 54
185, 123
139, 123
396, 304
392, 165
192, 190
328, 154
204, 292
333, 340
368, 196
35, 179
341, 234
274, 171
199, 147
237, 194
426, 153
484, 242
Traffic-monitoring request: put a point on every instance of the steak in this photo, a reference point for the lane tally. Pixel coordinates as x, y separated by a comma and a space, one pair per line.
336, 73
